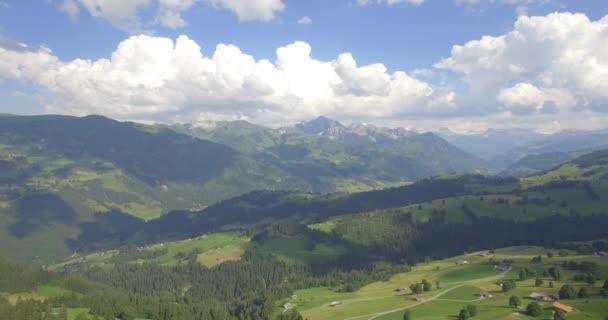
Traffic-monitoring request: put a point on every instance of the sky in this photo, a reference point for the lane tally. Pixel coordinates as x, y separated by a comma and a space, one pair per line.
466, 65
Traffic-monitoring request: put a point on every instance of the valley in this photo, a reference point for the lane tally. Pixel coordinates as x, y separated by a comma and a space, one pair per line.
105, 238
304, 160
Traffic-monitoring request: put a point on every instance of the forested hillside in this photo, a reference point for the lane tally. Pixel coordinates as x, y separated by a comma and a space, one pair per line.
61, 177
299, 240
471, 208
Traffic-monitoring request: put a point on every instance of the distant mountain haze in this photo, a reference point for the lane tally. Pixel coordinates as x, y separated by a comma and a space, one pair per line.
522, 152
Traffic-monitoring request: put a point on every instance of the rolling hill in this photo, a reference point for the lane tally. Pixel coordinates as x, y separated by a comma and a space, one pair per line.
61, 175
357, 249
532, 164
399, 223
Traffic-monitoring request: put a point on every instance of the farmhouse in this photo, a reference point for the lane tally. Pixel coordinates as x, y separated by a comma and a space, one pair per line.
461, 262
601, 254
335, 303
503, 265
419, 298
287, 305
401, 290
540, 297
484, 295
563, 307
485, 254
294, 296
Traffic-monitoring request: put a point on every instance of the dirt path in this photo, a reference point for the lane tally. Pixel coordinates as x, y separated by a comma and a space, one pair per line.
436, 297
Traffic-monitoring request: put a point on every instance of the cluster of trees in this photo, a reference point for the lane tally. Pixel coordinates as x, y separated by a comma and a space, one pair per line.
292, 314
582, 247
508, 285
515, 301
526, 273
569, 292
29, 309
18, 278
439, 237
467, 312
534, 309
553, 272
247, 289
584, 266
604, 290
589, 278
418, 288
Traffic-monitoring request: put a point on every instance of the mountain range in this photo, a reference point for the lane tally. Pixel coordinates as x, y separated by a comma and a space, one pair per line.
68, 182
521, 152
57, 173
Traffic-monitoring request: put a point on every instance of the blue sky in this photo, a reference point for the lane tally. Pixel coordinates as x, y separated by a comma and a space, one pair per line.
414, 37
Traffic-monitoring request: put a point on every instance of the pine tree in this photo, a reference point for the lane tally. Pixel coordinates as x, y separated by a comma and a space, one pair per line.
559, 315
464, 314
472, 309
514, 301
407, 315
534, 309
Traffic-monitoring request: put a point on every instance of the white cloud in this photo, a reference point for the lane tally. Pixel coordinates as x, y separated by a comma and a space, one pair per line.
305, 20
70, 7
122, 14
522, 98
423, 73
525, 98
263, 10
150, 77
560, 58
389, 2
169, 13
549, 70
125, 14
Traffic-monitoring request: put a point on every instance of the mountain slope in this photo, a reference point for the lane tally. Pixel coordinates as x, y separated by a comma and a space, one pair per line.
438, 217
572, 142
334, 157
503, 149
57, 173
493, 142
532, 164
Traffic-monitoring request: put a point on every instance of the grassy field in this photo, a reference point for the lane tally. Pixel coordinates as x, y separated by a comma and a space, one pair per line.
458, 287
211, 250
466, 273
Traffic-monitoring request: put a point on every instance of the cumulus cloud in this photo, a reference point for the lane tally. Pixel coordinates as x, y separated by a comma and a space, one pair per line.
70, 7
121, 14
156, 77
561, 58
251, 9
550, 70
305, 20
125, 14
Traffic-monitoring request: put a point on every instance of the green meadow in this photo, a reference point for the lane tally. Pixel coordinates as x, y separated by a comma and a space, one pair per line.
210, 250
459, 285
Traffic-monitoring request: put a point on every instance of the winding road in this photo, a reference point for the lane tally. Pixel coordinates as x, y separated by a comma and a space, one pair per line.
372, 316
